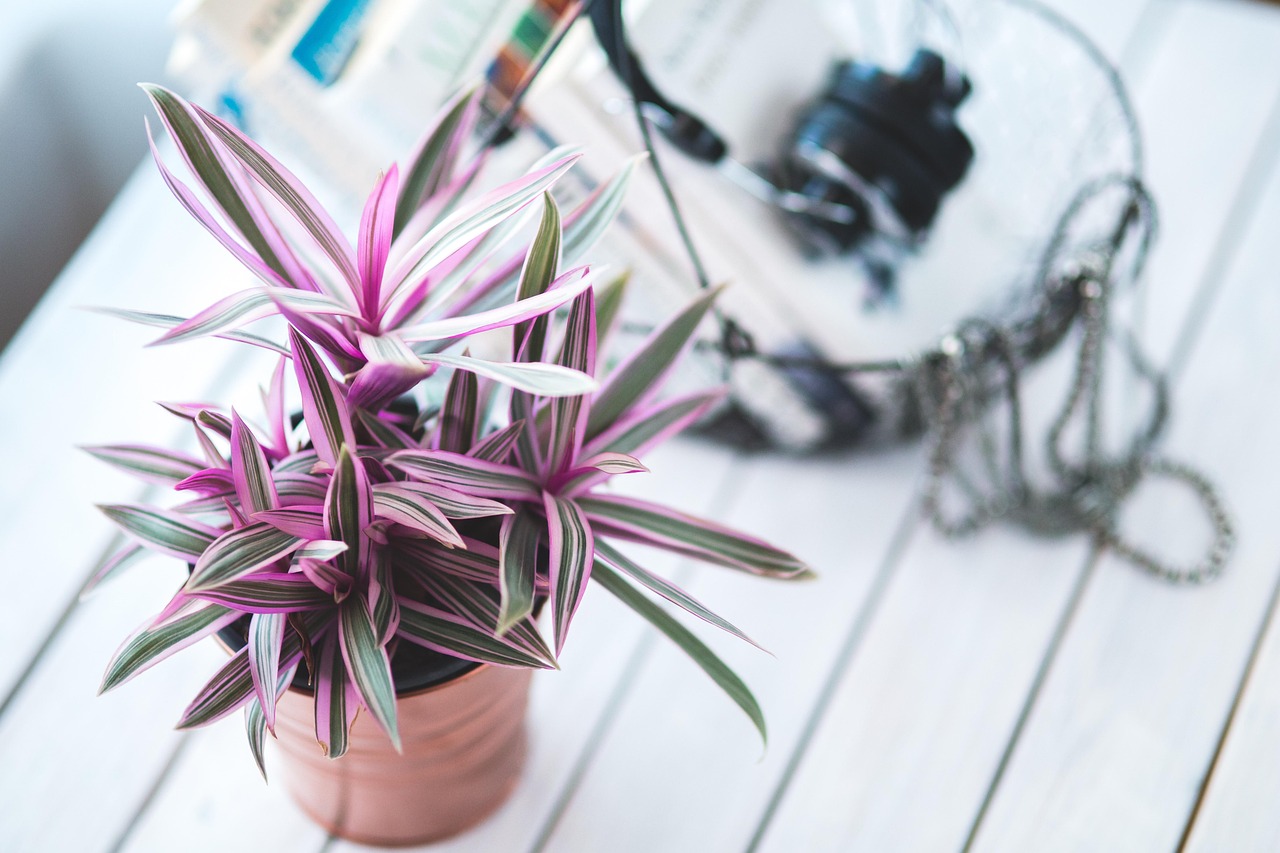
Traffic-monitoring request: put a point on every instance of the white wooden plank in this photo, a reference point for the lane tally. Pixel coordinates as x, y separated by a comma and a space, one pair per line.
680, 767
1118, 744
917, 729
1223, 57
61, 750
72, 377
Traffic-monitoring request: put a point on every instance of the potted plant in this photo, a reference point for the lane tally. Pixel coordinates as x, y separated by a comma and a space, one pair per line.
391, 547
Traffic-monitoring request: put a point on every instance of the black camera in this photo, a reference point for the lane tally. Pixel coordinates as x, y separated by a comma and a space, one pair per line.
886, 146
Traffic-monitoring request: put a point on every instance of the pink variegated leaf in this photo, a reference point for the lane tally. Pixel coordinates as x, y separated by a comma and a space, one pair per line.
666, 589
413, 509
301, 462
249, 470
323, 406
266, 635
240, 552
612, 462
367, 664
209, 482
296, 488
569, 413
421, 558
541, 263
465, 473
639, 377
270, 592
255, 719
163, 530
564, 289
474, 219
216, 421
240, 309
374, 241
436, 154
192, 622
204, 157
228, 691
325, 576
200, 213
306, 522
169, 321
451, 634
112, 566
496, 446
290, 192
392, 369
451, 502
152, 464
572, 551
641, 430
653, 524
541, 378
517, 567
384, 608
698, 651
460, 413
273, 404
609, 299
592, 217
334, 713
348, 510
383, 433
475, 604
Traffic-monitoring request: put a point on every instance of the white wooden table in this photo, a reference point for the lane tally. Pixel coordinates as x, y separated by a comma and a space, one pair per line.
1000, 694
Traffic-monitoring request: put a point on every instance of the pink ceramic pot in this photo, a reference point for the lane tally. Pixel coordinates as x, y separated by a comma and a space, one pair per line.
464, 746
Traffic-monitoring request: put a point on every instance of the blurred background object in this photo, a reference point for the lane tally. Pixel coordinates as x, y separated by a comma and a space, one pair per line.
70, 129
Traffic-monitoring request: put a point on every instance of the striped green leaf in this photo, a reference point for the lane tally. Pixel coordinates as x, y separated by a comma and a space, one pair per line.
666, 589
152, 464
460, 413
465, 473
154, 643
639, 376
542, 378
169, 321
541, 264
572, 550
249, 470
290, 192
163, 530
239, 552
255, 720
367, 664
404, 505
323, 407
474, 219
348, 510
666, 528
434, 159
271, 592
592, 218
229, 689
333, 715
449, 633
450, 502
495, 446
474, 603
719, 671
569, 413
266, 635
517, 562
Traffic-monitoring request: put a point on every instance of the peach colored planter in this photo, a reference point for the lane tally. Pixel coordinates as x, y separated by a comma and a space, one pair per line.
464, 746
